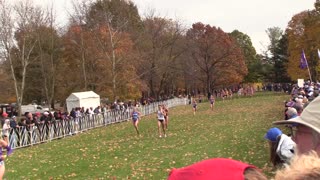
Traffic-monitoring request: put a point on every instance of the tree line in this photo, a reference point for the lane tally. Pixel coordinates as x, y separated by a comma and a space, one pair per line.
108, 47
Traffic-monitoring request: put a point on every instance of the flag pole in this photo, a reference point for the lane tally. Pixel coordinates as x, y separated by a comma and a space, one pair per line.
309, 74
307, 64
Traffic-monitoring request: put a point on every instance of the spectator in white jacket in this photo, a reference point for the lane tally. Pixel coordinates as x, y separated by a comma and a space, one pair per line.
282, 147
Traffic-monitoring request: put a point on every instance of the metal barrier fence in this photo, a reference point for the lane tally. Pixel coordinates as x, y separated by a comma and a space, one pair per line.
56, 129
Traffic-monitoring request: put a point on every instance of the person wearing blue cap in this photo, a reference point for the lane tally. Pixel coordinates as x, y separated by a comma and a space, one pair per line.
282, 147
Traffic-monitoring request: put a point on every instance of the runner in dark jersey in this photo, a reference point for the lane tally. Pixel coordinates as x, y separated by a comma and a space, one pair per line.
212, 101
135, 115
194, 106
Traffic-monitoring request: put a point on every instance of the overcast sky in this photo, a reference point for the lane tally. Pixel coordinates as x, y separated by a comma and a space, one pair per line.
251, 17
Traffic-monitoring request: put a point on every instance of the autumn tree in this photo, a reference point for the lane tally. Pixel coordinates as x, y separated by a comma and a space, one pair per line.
99, 40
299, 40
311, 40
78, 36
216, 55
125, 16
160, 52
250, 55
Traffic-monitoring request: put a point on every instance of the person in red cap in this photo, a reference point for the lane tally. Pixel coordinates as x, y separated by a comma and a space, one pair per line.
217, 168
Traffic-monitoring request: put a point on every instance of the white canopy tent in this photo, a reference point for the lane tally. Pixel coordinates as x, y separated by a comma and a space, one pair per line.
83, 99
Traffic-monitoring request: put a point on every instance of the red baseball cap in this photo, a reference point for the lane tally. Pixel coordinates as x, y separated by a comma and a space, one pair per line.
217, 168
4, 114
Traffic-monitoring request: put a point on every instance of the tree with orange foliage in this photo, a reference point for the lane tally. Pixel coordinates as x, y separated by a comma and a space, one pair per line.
216, 56
303, 34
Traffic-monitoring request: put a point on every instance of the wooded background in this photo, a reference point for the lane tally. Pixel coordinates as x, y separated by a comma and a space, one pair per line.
108, 47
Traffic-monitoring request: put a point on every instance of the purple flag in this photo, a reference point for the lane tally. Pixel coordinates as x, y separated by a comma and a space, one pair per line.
303, 61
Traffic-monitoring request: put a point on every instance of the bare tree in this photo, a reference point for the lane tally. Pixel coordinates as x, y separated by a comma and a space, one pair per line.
49, 57
79, 18
22, 17
161, 52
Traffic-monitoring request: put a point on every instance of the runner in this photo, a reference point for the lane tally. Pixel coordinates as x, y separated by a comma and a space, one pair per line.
135, 119
4, 144
160, 116
6, 128
194, 106
166, 116
212, 101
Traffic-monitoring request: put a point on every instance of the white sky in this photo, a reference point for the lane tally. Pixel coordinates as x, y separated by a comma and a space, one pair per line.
251, 17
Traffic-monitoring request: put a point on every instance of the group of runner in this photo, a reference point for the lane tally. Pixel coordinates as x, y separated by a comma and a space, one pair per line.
195, 105
162, 117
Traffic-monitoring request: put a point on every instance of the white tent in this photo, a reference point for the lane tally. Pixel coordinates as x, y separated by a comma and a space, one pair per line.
83, 99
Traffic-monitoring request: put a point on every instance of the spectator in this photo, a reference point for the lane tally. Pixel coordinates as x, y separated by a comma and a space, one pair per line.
29, 121
73, 113
46, 121
14, 134
57, 115
281, 147
218, 168
291, 113
305, 167
5, 116
36, 118
306, 128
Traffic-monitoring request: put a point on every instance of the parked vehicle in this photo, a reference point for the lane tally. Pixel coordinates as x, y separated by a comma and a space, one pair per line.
33, 108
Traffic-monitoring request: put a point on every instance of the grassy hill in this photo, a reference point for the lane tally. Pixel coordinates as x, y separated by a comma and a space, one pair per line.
235, 129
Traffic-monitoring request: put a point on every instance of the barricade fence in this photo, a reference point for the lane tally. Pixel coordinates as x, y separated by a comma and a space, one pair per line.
57, 129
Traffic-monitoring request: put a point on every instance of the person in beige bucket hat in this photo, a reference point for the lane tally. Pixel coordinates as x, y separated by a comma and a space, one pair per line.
306, 128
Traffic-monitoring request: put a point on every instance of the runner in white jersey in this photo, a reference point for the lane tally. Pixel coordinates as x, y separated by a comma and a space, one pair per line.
160, 116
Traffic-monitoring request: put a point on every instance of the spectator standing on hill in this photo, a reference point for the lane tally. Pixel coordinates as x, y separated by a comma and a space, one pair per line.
305, 129
135, 115
282, 147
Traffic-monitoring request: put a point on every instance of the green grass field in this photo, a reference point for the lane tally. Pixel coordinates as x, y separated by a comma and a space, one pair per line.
235, 129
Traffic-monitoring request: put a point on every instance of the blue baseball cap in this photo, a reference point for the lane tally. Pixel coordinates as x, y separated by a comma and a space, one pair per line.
272, 134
